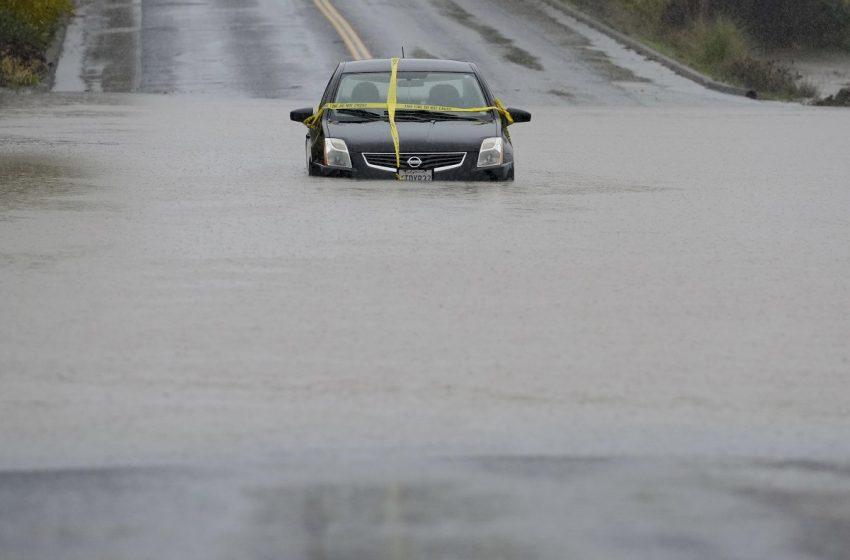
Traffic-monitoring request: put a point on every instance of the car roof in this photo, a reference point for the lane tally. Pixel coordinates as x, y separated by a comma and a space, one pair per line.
408, 64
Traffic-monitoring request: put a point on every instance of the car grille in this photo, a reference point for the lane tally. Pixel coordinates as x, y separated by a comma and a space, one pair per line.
437, 161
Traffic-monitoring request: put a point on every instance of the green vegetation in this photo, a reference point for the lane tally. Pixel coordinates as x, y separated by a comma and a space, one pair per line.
730, 39
26, 29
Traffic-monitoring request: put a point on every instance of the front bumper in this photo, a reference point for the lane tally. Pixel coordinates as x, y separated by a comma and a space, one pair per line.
466, 172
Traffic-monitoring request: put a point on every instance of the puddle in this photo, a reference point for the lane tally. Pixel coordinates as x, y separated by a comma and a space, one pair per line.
562, 94
601, 64
89, 105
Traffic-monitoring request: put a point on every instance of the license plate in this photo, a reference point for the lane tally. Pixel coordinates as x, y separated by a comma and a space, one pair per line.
415, 175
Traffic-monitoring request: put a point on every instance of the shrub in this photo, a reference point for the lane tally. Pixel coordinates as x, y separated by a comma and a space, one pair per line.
18, 73
681, 13
717, 43
18, 38
26, 28
40, 15
807, 89
788, 23
649, 12
770, 76
723, 37
772, 23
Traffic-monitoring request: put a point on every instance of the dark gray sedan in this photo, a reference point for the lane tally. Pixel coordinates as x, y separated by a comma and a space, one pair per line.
449, 125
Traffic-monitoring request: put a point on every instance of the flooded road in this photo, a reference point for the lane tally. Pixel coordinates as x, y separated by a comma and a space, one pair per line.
657, 290
638, 349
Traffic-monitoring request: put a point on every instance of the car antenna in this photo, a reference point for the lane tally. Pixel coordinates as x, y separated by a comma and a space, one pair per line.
402, 51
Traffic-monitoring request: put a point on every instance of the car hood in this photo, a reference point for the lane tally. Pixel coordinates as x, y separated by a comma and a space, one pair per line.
438, 136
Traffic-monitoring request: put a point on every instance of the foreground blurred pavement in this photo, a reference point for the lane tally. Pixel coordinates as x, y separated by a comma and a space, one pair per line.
508, 508
637, 348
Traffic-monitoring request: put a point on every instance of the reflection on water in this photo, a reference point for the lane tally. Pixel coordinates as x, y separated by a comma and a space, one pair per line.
538, 182
39, 181
391, 520
13, 104
436, 189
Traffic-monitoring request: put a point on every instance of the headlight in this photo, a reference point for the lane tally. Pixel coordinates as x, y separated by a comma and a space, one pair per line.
492, 152
336, 153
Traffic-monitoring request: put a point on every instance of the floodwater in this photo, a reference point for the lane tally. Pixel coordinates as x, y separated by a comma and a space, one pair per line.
638, 349
169, 271
654, 314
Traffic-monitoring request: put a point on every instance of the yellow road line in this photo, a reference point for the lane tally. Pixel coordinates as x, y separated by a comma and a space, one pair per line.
354, 44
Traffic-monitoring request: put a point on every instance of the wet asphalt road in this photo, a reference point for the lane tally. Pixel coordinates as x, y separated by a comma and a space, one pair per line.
638, 349
531, 52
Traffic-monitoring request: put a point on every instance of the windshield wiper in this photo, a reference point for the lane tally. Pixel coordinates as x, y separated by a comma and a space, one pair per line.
362, 113
435, 115
409, 114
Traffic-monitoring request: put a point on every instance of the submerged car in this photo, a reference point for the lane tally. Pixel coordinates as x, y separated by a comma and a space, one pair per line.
449, 126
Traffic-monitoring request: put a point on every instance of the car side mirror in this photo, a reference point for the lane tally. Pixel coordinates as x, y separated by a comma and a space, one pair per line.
519, 115
300, 115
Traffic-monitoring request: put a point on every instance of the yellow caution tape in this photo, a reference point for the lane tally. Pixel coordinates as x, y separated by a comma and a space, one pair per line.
391, 103
392, 106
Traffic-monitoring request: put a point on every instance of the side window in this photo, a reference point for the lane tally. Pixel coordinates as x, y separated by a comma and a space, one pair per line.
327, 95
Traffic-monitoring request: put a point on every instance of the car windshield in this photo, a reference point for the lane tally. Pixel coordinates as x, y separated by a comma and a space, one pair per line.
446, 89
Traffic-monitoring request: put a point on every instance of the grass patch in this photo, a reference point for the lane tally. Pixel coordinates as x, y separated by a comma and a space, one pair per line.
719, 48
715, 43
708, 41
39, 15
26, 29
15, 72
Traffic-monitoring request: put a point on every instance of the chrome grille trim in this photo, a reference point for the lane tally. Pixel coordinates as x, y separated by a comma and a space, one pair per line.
430, 160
